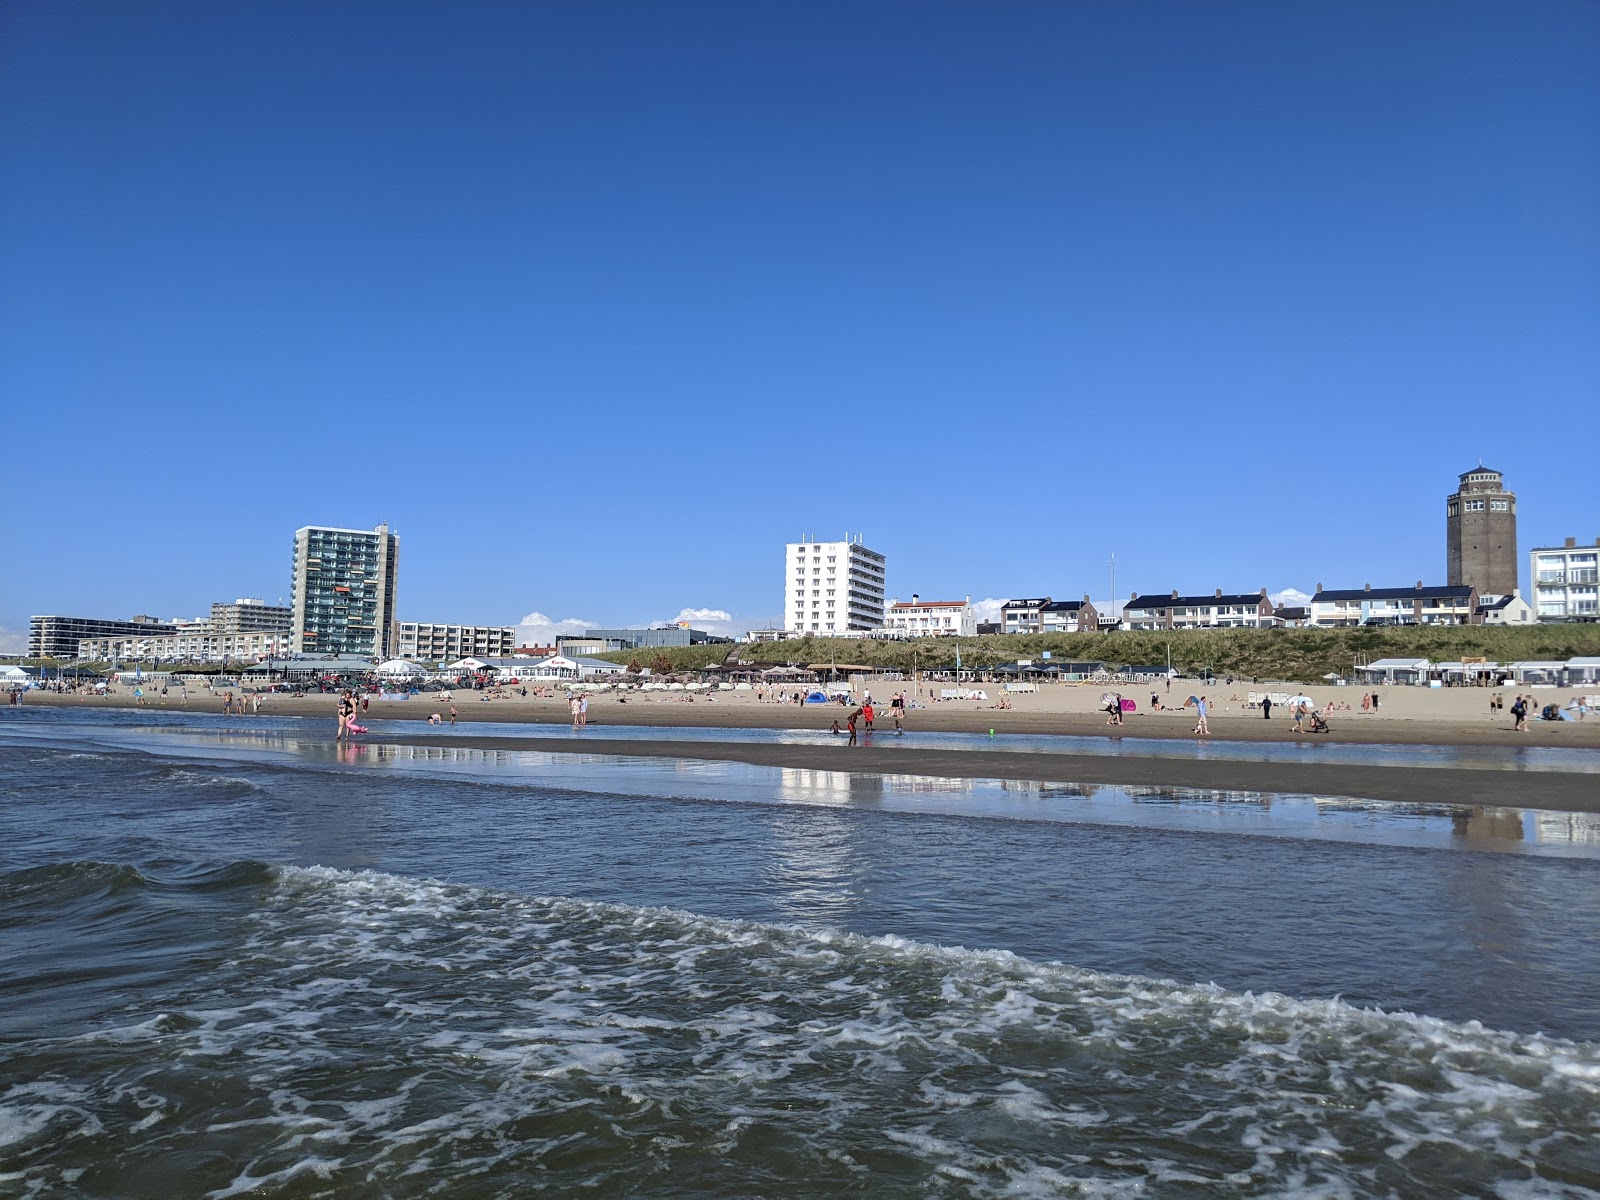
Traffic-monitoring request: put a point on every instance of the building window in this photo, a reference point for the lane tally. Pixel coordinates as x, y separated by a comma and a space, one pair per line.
1500, 505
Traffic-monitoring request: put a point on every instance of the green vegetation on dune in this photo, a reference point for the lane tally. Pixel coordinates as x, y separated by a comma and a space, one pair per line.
1303, 655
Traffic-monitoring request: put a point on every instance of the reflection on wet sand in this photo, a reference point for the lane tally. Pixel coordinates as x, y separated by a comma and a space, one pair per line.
1423, 823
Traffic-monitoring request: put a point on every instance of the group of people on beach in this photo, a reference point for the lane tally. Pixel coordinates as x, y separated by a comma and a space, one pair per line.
867, 715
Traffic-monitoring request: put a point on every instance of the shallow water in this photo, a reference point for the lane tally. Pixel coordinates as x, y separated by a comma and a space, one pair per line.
237, 960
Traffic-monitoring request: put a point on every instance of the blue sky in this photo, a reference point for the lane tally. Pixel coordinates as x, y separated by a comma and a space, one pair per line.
600, 304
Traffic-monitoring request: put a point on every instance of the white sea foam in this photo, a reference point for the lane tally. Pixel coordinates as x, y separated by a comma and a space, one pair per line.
393, 1026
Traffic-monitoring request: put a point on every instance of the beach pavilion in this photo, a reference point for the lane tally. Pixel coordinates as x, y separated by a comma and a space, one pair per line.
1395, 670
1537, 671
1581, 670
401, 668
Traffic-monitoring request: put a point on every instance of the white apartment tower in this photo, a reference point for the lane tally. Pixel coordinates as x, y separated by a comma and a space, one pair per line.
832, 587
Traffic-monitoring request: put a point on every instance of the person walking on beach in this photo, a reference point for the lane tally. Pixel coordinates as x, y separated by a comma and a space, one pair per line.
1519, 710
867, 713
1266, 708
1200, 726
851, 722
452, 714
346, 710
1374, 702
583, 710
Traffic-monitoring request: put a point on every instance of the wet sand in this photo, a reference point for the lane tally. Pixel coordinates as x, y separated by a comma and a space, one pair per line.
1565, 792
1561, 791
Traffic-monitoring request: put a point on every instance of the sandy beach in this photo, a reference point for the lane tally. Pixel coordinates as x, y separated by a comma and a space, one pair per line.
1405, 715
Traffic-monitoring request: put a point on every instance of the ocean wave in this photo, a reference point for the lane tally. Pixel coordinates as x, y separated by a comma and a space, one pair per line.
372, 1031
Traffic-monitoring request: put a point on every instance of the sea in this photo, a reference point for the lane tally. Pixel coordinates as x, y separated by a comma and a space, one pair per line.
237, 959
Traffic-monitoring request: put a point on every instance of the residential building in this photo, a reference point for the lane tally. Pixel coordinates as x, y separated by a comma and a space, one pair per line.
641, 639
1243, 610
832, 587
1564, 581
1023, 616
932, 618
1041, 614
429, 642
1420, 605
58, 637
1505, 610
195, 643
1069, 616
251, 614
344, 590
1480, 521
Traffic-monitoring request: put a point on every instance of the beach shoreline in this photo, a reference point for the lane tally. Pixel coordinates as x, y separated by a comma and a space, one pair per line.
1401, 719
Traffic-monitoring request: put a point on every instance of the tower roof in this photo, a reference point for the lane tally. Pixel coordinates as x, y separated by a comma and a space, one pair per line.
1480, 469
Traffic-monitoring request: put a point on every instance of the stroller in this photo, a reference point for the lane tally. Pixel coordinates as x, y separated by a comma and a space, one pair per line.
1317, 724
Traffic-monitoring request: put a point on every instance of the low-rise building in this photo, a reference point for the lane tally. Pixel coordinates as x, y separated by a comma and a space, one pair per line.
1448, 604
1566, 581
649, 639
1244, 610
1505, 610
931, 618
251, 614
1041, 614
431, 642
197, 644
1024, 616
1069, 616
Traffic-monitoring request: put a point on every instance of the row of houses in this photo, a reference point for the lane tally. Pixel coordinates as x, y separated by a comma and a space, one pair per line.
1329, 609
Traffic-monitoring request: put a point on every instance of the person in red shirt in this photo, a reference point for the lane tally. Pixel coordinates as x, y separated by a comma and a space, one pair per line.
866, 713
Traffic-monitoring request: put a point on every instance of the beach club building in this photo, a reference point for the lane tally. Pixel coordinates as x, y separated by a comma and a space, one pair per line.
558, 667
1420, 605
1244, 610
931, 618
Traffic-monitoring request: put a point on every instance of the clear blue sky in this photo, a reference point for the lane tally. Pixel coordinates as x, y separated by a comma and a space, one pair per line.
599, 304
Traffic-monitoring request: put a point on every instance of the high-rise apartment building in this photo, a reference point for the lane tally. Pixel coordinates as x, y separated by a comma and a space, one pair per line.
832, 587
1480, 521
342, 598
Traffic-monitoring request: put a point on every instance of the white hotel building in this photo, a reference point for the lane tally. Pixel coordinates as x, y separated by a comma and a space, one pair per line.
832, 587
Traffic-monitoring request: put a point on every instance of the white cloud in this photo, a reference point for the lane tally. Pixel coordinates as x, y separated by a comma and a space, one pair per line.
13, 641
536, 629
987, 611
718, 621
1289, 598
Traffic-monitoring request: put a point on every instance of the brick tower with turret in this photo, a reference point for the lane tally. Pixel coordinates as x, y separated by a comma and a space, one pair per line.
1480, 524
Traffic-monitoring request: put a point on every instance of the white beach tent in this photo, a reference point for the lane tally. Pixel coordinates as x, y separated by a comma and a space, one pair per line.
401, 668
467, 664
